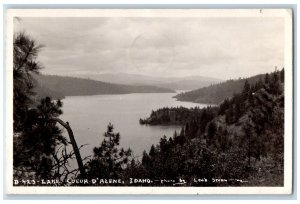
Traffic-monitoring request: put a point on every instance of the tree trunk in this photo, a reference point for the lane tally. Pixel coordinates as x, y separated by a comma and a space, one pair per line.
74, 144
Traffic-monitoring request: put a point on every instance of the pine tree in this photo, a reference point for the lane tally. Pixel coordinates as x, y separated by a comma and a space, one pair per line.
267, 78
25, 63
35, 147
282, 75
36, 135
246, 87
211, 130
109, 160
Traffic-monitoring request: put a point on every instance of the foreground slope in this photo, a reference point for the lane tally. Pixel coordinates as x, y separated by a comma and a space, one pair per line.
240, 141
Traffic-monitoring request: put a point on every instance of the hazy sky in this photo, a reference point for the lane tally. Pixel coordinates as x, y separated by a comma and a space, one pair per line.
216, 47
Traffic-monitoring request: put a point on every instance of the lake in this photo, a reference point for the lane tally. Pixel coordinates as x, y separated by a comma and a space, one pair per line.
89, 116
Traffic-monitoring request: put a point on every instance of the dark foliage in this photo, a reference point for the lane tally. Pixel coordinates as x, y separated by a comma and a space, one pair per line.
24, 63
178, 115
36, 144
36, 136
109, 161
236, 140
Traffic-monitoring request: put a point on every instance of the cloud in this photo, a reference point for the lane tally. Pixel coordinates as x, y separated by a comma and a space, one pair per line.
226, 47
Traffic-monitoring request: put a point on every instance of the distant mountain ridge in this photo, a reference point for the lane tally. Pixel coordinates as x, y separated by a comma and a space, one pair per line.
60, 86
177, 83
216, 93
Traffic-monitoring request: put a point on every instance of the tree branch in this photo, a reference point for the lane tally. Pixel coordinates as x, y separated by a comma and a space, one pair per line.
74, 144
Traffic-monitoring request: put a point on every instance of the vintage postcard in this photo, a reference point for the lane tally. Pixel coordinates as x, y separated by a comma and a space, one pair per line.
141, 101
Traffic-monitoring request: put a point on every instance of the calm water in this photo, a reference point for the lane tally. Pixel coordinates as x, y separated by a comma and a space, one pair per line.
90, 115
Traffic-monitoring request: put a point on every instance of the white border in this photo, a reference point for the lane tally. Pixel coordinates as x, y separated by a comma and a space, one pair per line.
188, 13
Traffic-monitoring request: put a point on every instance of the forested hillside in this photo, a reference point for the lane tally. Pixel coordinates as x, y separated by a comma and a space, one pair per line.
215, 94
60, 86
41, 91
239, 142
176, 116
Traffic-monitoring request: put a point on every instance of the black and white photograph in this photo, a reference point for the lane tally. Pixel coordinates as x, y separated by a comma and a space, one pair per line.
159, 100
